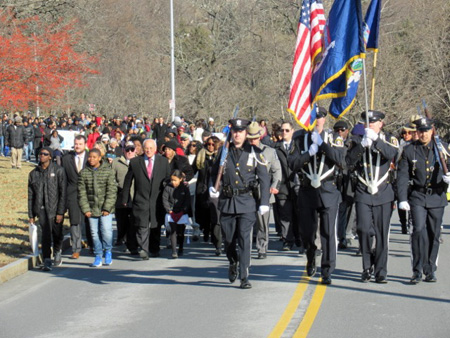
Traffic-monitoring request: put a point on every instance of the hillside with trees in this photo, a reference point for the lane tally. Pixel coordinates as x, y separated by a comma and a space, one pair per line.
235, 51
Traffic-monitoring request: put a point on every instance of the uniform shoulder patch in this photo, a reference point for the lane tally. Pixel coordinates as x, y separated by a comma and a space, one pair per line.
394, 141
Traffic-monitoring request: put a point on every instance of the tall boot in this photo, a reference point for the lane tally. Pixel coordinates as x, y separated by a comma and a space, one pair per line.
180, 234
173, 239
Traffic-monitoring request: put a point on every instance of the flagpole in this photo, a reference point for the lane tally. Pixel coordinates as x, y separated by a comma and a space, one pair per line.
367, 117
372, 91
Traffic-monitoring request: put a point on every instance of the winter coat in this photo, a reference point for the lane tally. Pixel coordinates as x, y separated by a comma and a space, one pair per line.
47, 188
97, 190
177, 199
29, 133
15, 136
120, 168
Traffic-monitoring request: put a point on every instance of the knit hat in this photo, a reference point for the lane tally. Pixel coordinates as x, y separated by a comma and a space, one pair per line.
48, 149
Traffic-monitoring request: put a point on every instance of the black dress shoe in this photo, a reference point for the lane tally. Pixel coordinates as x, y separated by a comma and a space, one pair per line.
404, 229
380, 280
416, 278
301, 250
144, 255
286, 247
232, 272
342, 244
311, 267
326, 280
245, 284
431, 278
365, 276
262, 255
218, 252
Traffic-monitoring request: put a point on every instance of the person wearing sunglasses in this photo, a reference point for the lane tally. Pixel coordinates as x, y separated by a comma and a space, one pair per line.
407, 134
126, 232
47, 196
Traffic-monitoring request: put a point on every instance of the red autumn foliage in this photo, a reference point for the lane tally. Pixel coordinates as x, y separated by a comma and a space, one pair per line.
39, 63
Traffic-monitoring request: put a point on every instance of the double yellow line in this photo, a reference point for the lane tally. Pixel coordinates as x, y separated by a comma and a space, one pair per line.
310, 314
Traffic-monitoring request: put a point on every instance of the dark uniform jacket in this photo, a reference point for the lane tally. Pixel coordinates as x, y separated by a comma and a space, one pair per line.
69, 165
326, 194
242, 171
48, 189
385, 147
419, 177
147, 200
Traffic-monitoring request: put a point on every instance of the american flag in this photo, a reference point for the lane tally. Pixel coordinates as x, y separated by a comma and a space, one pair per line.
308, 46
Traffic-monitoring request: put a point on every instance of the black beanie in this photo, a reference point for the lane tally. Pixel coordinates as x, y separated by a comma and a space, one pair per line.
50, 151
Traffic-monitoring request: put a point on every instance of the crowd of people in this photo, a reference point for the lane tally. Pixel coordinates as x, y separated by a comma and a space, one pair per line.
326, 188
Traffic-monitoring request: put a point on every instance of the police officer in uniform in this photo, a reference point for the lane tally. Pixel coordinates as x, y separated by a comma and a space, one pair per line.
315, 157
244, 171
374, 193
422, 187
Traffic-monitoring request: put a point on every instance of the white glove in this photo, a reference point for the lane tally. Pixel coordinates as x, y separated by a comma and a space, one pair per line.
446, 178
366, 142
313, 149
371, 134
213, 193
263, 209
404, 206
316, 138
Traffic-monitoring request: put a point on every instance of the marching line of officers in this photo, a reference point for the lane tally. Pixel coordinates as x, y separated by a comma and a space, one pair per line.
307, 174
312, 179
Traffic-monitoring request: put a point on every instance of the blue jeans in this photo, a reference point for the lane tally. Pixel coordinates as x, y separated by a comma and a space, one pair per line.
2, 144
28, 150
102, 233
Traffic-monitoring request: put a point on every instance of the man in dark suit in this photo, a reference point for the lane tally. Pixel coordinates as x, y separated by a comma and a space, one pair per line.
159, 131
149, 172
73, 163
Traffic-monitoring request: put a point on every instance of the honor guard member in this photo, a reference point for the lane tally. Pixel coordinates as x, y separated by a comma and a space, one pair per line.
371, 157
272, 163
244, 174
422, 187
316, 157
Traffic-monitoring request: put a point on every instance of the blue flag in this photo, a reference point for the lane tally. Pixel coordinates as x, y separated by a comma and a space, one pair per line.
372, 25
337, 71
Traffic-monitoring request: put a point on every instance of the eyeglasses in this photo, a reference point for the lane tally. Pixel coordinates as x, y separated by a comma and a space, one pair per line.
286, 130
339, 130
406, 133
130, 150
193, 145
44, 154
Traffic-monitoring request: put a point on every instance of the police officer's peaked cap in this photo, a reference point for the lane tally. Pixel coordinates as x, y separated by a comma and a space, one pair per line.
424, 124
321, 112
374, 116
239, 124
340, 125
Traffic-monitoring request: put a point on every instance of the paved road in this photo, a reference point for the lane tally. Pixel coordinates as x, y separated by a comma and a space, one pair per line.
191, 297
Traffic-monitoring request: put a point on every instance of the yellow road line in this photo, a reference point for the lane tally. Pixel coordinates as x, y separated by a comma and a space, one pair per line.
311, 312
291, 308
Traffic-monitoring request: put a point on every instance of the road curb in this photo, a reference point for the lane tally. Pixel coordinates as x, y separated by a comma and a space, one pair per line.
24, 264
